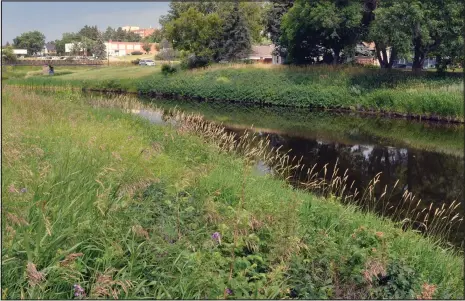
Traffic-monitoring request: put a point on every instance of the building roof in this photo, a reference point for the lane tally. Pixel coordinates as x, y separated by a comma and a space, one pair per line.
50, 46
263, 51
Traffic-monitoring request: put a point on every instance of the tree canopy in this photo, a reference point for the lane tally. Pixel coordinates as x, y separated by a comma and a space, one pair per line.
310, 31
33, 41
214, 30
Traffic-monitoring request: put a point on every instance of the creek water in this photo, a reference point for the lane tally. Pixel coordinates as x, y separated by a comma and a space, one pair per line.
422, 157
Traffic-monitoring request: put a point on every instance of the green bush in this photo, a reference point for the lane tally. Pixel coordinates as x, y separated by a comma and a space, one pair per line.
136, 53
167, 69
193, 61
135, 62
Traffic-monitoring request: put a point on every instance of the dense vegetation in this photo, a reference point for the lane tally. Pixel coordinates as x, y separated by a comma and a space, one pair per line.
102, 204
350, 88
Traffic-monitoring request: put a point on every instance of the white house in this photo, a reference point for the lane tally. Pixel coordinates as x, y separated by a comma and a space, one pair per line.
69, 47
20, 51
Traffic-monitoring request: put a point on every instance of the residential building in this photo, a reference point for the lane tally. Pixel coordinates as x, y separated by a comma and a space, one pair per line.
130, 28
20, 51
126, 48
69, 48
142, 32
262, 54
49, 49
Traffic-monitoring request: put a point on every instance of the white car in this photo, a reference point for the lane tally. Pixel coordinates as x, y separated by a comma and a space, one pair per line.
146, 63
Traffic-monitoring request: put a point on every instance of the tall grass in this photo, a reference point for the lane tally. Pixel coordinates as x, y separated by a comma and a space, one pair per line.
106, 201
348, 88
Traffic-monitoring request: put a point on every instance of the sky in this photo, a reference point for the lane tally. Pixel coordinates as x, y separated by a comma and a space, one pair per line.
55, 18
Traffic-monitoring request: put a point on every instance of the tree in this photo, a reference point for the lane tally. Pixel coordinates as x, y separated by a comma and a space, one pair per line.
76, 48
236, 42
155, 37
312, 29
146, 46
424, 26
273, 14
90, 32
7, 44
33, 41
99, 49
8, 54
196, 33
109, 34
386, 36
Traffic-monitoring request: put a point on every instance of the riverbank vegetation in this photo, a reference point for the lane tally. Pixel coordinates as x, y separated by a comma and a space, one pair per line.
102, 204
350, 88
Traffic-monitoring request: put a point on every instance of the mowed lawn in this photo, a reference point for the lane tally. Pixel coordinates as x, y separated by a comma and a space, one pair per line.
108, 73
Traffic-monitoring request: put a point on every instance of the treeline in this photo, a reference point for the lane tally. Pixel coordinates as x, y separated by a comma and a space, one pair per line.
320, 31
88, 40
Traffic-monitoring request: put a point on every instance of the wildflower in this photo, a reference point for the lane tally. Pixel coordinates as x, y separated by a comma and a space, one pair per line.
427, 292
23, 190
228, 291
34, 277
216, 237
379, 234
79, 291
12, 188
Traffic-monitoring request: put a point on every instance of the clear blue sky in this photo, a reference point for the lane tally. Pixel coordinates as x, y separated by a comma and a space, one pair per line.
54, 18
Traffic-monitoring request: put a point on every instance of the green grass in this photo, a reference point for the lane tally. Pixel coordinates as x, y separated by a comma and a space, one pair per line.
127, 209
109, 78
351, 88
344, 87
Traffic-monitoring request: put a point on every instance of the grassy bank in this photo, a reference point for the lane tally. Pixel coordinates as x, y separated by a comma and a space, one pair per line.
104, 200
116, 78
351, 88
345, 87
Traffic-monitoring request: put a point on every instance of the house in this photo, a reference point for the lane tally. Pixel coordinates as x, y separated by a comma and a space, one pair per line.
20, 51
125, 48
142, 32
263, 54
49, 49
69, 48
365, 53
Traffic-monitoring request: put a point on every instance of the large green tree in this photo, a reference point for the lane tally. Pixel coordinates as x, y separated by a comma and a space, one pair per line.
185, 20
418, 28
273, 14
236, 40
195, 32
33, 41
311, 29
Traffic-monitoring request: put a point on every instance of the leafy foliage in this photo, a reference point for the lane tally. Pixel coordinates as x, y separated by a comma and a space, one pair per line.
33, 41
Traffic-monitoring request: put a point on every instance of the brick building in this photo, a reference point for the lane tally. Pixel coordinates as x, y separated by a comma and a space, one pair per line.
125, 48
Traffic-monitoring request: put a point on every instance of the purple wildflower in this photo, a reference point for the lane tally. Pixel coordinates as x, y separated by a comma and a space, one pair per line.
216, 237
228, 291
78, 291
23, 190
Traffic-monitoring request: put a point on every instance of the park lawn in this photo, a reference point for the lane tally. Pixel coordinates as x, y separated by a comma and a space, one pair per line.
129, 58
95, 197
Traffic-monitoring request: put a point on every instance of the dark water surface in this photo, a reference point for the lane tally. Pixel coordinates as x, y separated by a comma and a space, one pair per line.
424, 158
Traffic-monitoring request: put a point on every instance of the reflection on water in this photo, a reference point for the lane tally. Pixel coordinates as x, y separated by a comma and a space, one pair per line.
424, 158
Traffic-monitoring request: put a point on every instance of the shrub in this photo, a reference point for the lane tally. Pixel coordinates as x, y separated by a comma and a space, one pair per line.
135, 62
193, 61
167, 69
136, 53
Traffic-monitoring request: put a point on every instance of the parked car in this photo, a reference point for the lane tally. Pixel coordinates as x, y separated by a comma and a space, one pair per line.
146, 63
